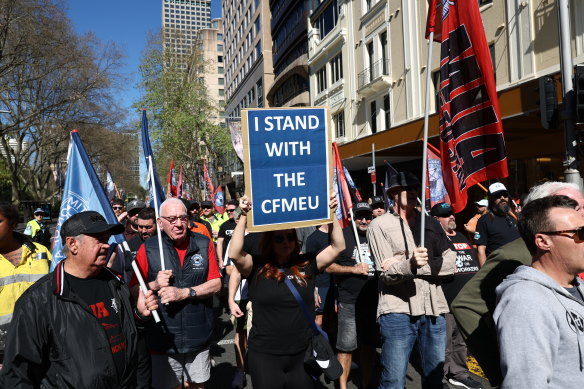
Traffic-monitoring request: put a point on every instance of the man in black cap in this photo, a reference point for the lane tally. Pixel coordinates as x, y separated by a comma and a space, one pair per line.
411, 302
455, 368
377, 206
214, 219
133, 208
498, 227
75, 327
354, 273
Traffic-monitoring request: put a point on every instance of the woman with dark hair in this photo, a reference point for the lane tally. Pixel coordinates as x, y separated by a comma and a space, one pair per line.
280, 333
22, 263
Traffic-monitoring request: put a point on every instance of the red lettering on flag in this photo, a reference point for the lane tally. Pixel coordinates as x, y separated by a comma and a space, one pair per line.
471, 131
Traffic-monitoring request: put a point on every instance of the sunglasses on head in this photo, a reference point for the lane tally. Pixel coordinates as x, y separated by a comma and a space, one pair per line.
577, 233
291, 237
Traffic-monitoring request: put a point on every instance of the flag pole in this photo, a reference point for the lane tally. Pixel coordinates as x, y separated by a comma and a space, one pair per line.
156, 211
425, 148
359, 259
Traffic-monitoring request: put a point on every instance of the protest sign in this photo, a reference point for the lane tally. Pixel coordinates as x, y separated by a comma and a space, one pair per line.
288, 167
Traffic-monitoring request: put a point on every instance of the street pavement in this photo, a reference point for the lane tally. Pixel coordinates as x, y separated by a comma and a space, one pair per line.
224, 359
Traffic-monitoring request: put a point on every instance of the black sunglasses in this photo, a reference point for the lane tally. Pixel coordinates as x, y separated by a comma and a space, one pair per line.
291, 237
117, 208
579, 233
206, 207
230, 210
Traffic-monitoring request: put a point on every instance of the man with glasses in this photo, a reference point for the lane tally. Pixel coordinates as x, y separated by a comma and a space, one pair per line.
354, 273
180, 346
497, 227
118, 207
411, 302
540, 310
455, 368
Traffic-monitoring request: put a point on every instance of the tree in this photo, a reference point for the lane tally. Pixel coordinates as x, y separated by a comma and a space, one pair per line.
51, 81
181, 112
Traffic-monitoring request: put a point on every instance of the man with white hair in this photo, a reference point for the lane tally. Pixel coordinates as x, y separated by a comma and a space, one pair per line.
180, 345
474, 306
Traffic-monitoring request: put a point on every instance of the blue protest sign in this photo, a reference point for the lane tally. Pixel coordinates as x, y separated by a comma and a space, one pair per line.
288, 167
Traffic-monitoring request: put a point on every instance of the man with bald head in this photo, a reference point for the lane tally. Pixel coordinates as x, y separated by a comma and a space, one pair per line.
474, 306
185, 285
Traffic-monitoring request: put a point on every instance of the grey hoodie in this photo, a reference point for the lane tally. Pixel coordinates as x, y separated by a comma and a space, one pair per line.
540, 329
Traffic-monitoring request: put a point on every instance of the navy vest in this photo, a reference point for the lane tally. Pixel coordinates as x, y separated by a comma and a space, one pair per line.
185, 326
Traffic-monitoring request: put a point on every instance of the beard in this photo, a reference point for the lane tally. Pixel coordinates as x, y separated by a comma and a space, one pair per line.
502, 208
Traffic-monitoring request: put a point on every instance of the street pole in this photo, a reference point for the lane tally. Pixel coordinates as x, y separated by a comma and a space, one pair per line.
568, 99
373, 164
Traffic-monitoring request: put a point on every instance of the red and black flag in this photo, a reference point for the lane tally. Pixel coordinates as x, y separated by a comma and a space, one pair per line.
471, 131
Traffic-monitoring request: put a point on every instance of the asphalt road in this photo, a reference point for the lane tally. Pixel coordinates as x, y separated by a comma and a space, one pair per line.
224, 356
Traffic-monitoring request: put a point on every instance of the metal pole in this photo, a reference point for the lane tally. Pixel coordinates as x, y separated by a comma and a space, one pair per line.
569, 103
425, 150
373, 164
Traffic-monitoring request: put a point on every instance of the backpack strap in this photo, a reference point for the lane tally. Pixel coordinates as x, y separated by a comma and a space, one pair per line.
315, 328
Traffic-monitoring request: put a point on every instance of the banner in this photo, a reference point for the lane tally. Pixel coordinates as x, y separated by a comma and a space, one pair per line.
146, 147
171, 181
435, 189
471, 131
179, 186
207, 179
288, 166
110, 187
219, 200
236, 141
82, 192
341, 188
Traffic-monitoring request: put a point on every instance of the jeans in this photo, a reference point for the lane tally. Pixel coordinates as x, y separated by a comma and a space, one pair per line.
399, 333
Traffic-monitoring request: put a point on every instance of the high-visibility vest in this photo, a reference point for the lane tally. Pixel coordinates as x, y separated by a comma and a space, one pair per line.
14, 280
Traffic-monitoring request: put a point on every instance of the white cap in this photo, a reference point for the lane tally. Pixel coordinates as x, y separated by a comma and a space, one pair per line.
482, 203
496, 187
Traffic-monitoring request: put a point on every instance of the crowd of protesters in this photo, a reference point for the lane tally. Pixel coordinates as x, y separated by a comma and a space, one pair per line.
505, 290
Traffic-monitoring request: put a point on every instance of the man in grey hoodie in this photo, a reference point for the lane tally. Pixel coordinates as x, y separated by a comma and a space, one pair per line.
540, 309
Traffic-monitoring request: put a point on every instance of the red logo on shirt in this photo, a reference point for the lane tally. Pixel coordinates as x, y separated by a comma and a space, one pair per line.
99, 310
461, 246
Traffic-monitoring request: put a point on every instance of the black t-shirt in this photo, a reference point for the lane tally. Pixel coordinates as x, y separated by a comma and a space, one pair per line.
315, 243
251, 243
96, 293
225, 232
350, 285
494, 231
278, 325
466, 267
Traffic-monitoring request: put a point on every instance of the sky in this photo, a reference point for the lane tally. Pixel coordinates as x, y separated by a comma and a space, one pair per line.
127, 23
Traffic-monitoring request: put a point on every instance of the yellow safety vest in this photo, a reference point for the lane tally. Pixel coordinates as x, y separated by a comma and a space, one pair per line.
14, 280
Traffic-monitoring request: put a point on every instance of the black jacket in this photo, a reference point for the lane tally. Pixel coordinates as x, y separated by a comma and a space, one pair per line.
54, 341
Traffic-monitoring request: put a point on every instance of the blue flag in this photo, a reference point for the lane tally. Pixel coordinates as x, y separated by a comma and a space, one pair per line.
148, 152
82, 192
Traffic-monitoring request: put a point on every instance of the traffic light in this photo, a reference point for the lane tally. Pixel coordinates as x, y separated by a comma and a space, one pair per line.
579, 92
548, 102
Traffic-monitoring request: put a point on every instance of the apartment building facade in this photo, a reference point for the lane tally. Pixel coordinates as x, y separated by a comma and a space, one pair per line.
389, 56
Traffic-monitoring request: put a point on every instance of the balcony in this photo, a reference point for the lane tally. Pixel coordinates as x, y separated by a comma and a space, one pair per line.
373, 79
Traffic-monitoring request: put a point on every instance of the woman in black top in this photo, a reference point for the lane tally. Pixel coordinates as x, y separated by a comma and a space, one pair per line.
280, 333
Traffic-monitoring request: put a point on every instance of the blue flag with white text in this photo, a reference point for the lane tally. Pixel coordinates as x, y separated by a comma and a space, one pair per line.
82, 192
156, 186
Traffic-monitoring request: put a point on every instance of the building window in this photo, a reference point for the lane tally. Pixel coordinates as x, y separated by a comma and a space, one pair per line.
221, 81
220, 70
260, 91
384, 51
493, 61
339, 121
321, 79
373, 117
219, 37
328, 19
387, 115
221, 92
337, 68
219, 47
257, 24
258, 49
484, 2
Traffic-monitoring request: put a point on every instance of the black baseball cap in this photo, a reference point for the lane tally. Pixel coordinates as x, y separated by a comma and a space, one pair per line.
88, 222
362, 207
376, 200
206, 204
441, 210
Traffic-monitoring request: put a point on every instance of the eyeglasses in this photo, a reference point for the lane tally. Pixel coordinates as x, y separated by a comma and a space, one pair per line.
291, 237
231, 210
577, 233
173, 219
117, 208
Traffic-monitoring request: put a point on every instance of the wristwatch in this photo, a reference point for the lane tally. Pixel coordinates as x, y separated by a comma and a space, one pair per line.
192, 293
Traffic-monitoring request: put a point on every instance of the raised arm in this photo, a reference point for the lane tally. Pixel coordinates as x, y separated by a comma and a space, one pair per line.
332, 251
241, 259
